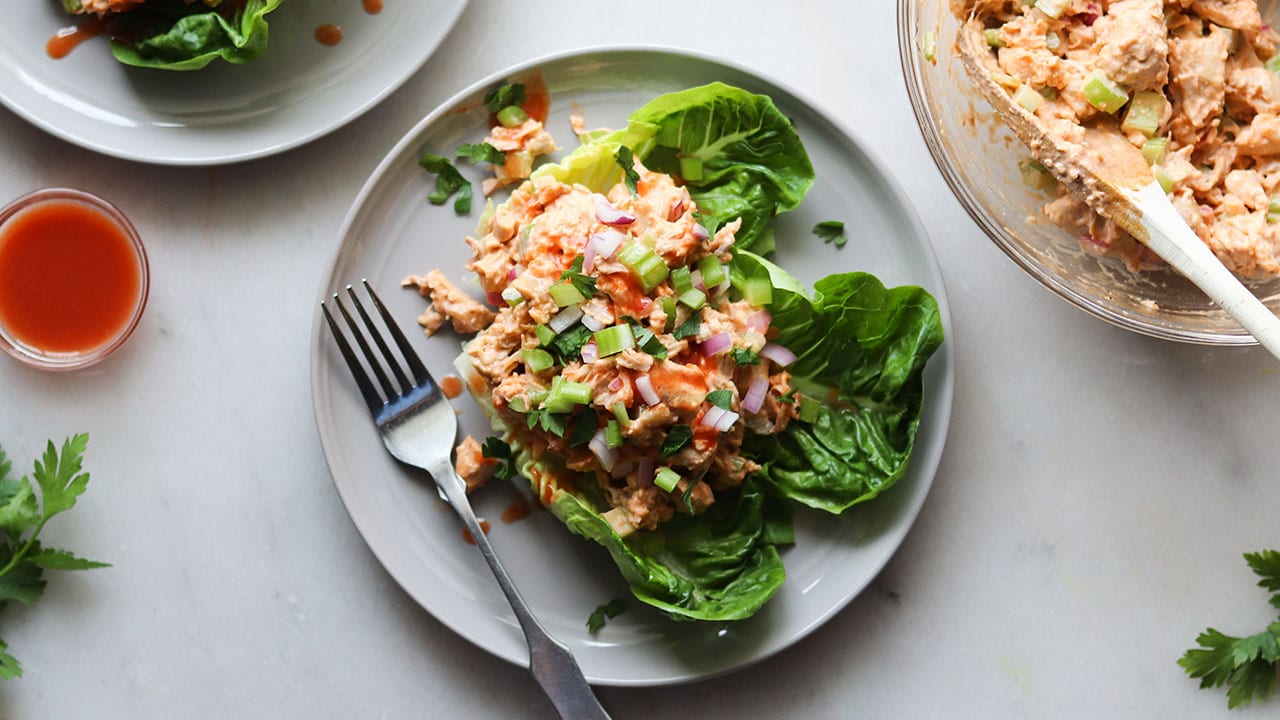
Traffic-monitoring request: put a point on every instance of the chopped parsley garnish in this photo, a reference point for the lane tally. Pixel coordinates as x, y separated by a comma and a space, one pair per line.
448, 182
686, 497
580, 281
480, 152
627, 162
504, 95
602, 614
722, 399
744, 356
677, 437
688, 328
568, 344
553, 423
645, 339
583, 430
1247, 665
831, 231
495, 448
788, 397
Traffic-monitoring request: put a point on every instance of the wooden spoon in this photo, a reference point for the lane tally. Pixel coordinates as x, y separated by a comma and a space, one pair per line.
1111, 175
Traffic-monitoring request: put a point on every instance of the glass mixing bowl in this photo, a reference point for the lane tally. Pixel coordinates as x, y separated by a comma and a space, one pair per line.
979, 156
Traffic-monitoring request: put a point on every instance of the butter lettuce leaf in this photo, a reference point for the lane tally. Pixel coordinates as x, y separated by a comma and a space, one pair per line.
172, 35
861, 351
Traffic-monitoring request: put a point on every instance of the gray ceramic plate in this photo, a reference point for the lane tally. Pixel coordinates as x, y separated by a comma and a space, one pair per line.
296, 92
392, 231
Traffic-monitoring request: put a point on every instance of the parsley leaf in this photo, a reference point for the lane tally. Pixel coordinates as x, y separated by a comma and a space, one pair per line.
495, 448
645, 339
580, 281
568, 344
688, 328
584, 430
627, 162
554, 423
831, 231
686, 497
504, 95
602, 614
1247, 665
23, 516
677, 437
448, 182
480, 152
744, 356
722, 399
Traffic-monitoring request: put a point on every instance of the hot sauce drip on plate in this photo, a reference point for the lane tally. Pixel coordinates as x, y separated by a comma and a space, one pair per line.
517, 510
69, 277
373, 7
66, 39
451, 386
328, 34
466, 534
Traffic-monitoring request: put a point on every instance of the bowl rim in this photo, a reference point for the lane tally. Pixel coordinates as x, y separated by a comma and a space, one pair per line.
66, 361
908, 27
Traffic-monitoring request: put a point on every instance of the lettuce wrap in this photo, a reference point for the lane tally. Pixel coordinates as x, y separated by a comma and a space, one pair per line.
861, 351
177, 35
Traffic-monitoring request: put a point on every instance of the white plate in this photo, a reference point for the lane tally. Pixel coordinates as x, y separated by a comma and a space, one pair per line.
392, 231
296, 92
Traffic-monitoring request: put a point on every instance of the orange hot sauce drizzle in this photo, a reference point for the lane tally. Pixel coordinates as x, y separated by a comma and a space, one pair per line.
373, 7
66, 39
328, 34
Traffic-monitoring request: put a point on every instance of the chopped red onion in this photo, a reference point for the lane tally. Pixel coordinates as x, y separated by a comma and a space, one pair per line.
644, 472
593, 324
696, 278
780, 355
700, 232
590, 351
603, 452
717, 344
615, 384
713, 415
720, 289
607, 242
754, 399
565, 319
759, 321
589, 257
514, 272
610, 215
676, 210
645, 303
726, 421
495, 299
645, 387
621, 470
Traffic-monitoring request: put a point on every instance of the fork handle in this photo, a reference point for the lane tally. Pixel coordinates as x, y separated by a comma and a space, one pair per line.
550, 662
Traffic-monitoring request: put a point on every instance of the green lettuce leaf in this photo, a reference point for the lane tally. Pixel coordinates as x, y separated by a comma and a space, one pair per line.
861, 349
176, 36
752, 163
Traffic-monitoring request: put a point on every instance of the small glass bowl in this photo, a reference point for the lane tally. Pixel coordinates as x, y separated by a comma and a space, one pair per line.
48, 360
978, 157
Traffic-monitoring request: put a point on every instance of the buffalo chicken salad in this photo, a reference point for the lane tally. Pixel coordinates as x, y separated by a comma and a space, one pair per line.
666, 390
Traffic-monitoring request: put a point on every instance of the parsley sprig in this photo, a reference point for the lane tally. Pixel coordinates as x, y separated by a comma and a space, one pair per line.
495, 448
627, 162
480, 152
831, 231
580, 281
448, 182
1247, 665
602, 614
23, 516
504, 95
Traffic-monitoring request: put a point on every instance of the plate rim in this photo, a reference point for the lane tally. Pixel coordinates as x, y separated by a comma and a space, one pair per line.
265, 148
941, 395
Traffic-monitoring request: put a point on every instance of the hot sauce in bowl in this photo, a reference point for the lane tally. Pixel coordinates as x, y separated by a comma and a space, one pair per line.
73, 279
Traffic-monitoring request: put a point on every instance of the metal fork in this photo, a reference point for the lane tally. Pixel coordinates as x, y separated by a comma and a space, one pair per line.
419, 427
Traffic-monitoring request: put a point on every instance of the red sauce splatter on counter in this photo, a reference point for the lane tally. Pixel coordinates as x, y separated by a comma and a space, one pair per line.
328, 34
373, 7
466, 534
66, 39
69, 277
517, 510
451, 386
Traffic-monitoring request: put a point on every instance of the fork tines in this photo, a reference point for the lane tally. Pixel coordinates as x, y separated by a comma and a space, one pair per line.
389, 389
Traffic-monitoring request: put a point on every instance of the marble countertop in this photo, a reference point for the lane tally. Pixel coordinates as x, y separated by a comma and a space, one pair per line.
1095, 496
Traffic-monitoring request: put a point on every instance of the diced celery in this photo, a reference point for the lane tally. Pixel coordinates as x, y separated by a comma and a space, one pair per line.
1005, 80
1026, 97
512, 116
1155, 149
757, 291
575, 392
992, 36
512, 296
681, 279
667, 479
808, 409
565, 294
615, 339
668, 307
691, 168
712, 271
1049, 93
1034, 175
1053, 8
1273, 63
1162, 177
1101, 92
613, 434
620, 412
537, 360
519, 404
537, 397
1052, 41
1144, 113
928, 42
1273, 209
644, 264
693, 298
545, 334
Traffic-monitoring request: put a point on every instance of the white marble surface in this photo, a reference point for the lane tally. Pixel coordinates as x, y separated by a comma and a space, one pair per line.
1095, 496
